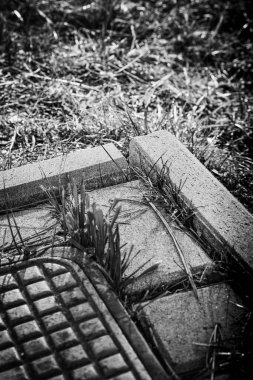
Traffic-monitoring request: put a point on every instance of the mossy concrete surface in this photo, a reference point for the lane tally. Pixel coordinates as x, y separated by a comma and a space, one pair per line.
140, 226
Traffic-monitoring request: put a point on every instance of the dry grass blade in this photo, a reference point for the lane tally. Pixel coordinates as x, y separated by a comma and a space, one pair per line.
12, 233
121, 170
7, 207
24, 246
47, 78
214, 343
179, 250
130, 279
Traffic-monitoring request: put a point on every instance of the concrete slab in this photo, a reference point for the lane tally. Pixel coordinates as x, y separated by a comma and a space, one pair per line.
34, 224
141, 227
183, 326
220, 217
100, 166
54, 324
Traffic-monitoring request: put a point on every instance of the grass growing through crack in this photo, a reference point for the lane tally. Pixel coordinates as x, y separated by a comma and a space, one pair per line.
85, 227
220, 358
162, 191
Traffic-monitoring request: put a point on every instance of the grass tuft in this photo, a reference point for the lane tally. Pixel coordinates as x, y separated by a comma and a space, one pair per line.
85, 227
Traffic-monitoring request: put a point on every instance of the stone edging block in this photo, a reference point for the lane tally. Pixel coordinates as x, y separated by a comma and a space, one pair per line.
99, 166
183, 326
220, 217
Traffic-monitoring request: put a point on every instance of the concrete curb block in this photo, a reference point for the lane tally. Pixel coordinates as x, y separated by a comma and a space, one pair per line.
222, 219
99, 165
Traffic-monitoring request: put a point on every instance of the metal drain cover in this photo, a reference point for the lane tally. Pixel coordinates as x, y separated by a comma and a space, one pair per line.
54, 325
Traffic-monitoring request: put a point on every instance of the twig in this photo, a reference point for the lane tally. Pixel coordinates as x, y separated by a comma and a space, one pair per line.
133, 61
180, 252
85, 86
212, 352
13, 139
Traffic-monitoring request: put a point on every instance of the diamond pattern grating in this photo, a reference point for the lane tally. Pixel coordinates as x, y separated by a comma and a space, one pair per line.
51, 328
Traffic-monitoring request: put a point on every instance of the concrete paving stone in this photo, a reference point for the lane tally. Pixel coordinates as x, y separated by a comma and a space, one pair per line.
92, 328
17, 373
146, 232
64, 338
35, 348
22, 184
220, 217
112, 365
53, 339
183, 326
103, 346
73, 296
27, 330
33, 222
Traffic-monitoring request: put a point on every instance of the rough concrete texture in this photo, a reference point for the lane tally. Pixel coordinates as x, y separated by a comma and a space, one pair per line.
219, 215
183, 326
32, 223
141, 227
98, 165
